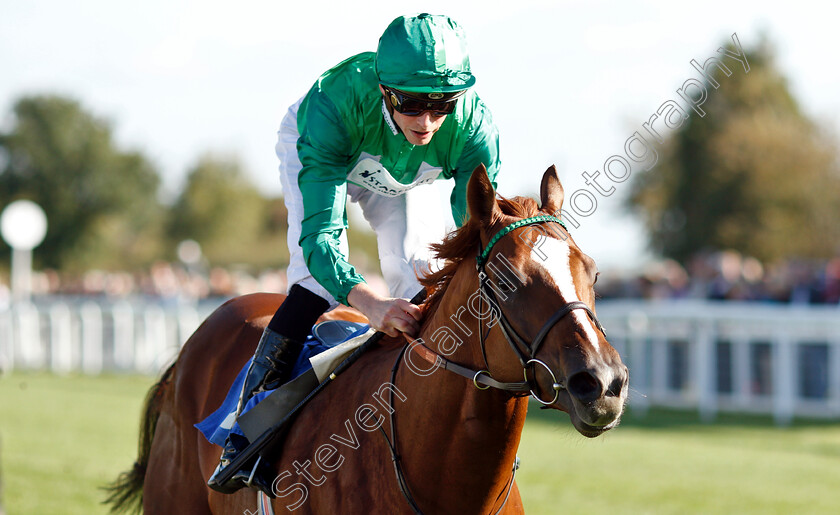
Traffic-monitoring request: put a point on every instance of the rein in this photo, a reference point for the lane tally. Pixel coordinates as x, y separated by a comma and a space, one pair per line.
527, 357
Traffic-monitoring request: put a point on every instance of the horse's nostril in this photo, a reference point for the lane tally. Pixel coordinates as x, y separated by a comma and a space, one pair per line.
616, 386
619, 383
585, 386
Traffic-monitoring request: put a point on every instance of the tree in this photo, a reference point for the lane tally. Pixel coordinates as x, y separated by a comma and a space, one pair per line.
753, 175
100, 201
221, 210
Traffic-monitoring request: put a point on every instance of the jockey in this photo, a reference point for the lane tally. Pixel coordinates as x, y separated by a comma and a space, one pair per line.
377, 129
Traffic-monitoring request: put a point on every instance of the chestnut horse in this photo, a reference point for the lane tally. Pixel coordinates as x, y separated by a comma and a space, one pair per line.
398, 432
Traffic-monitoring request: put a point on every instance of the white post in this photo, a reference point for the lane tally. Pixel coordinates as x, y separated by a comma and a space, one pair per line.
21, 275
834, 373
154, 345
124, 338
659, 372
784, 379
31, 350
23, 225
637, 328
741, 372
61, 338
706, 365
91, 317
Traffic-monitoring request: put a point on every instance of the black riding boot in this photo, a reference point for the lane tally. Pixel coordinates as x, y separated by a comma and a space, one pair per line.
271, 367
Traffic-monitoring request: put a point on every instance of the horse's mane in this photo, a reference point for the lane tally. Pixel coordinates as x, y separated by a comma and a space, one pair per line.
464, 242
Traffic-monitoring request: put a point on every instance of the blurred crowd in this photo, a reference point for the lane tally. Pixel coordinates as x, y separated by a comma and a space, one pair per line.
720, 276
728, 275
165, 282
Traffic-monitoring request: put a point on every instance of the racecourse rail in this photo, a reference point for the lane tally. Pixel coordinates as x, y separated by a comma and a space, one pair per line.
776, 359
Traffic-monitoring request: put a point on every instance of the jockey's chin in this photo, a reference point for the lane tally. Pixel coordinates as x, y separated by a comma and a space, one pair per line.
420, 129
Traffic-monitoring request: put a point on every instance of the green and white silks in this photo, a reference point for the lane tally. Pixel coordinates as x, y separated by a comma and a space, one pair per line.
340, 143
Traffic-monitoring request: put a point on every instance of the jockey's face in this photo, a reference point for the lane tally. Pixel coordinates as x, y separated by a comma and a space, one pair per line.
418, 129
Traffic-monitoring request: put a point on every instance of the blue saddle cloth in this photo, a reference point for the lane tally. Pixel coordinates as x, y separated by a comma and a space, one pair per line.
213, 427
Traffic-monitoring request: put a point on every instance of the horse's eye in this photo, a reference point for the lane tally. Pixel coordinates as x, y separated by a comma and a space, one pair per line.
504, 287
596, 278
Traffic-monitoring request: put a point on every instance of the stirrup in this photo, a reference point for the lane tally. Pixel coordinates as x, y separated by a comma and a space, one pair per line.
239, 481
264, 485
250, 481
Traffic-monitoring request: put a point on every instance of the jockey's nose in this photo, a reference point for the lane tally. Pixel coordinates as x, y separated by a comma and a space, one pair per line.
426, 119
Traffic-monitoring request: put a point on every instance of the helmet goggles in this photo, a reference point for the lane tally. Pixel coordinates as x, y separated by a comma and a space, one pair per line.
410, 105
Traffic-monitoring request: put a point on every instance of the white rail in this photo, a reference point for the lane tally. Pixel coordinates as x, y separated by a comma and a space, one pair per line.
729, 356
726, 356
92, 336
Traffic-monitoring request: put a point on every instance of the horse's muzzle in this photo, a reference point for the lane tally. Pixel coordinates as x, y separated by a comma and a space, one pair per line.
597, 396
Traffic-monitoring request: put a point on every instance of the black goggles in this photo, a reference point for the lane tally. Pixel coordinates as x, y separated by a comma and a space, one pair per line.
413, 106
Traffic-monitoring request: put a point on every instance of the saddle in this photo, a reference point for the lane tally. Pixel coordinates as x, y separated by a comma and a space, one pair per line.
329, 344
334, 332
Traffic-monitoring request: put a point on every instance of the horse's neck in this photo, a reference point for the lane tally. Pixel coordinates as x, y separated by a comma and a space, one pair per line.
453, 331
463, 428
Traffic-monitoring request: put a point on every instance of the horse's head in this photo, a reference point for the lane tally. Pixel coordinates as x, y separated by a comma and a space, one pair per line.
542, 286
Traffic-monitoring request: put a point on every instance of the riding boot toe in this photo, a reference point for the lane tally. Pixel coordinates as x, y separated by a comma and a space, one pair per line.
228, 487
241, 479
229, 453
256, 476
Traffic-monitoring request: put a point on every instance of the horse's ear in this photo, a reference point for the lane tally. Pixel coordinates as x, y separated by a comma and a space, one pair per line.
551, 192
481, 198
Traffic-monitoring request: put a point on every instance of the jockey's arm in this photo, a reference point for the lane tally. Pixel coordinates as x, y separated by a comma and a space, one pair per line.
323, 148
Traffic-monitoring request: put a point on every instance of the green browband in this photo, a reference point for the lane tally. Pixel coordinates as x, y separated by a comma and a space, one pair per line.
482, 258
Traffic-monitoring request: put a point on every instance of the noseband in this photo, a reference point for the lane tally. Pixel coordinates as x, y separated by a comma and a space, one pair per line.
524, 350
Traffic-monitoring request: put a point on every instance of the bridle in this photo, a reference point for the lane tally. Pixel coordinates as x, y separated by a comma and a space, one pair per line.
525, 351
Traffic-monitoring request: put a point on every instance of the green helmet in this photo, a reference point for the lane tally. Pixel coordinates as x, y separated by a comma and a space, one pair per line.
426, 53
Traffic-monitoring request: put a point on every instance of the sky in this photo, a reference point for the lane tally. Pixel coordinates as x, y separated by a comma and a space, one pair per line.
567, 82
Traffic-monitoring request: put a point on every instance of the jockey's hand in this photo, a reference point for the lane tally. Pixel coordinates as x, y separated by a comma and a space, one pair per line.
389, 315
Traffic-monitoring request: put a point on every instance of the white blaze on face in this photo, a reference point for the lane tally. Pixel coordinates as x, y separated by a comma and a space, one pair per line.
553, 256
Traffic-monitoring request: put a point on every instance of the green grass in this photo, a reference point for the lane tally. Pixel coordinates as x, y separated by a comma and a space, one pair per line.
670, 463
65, 436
